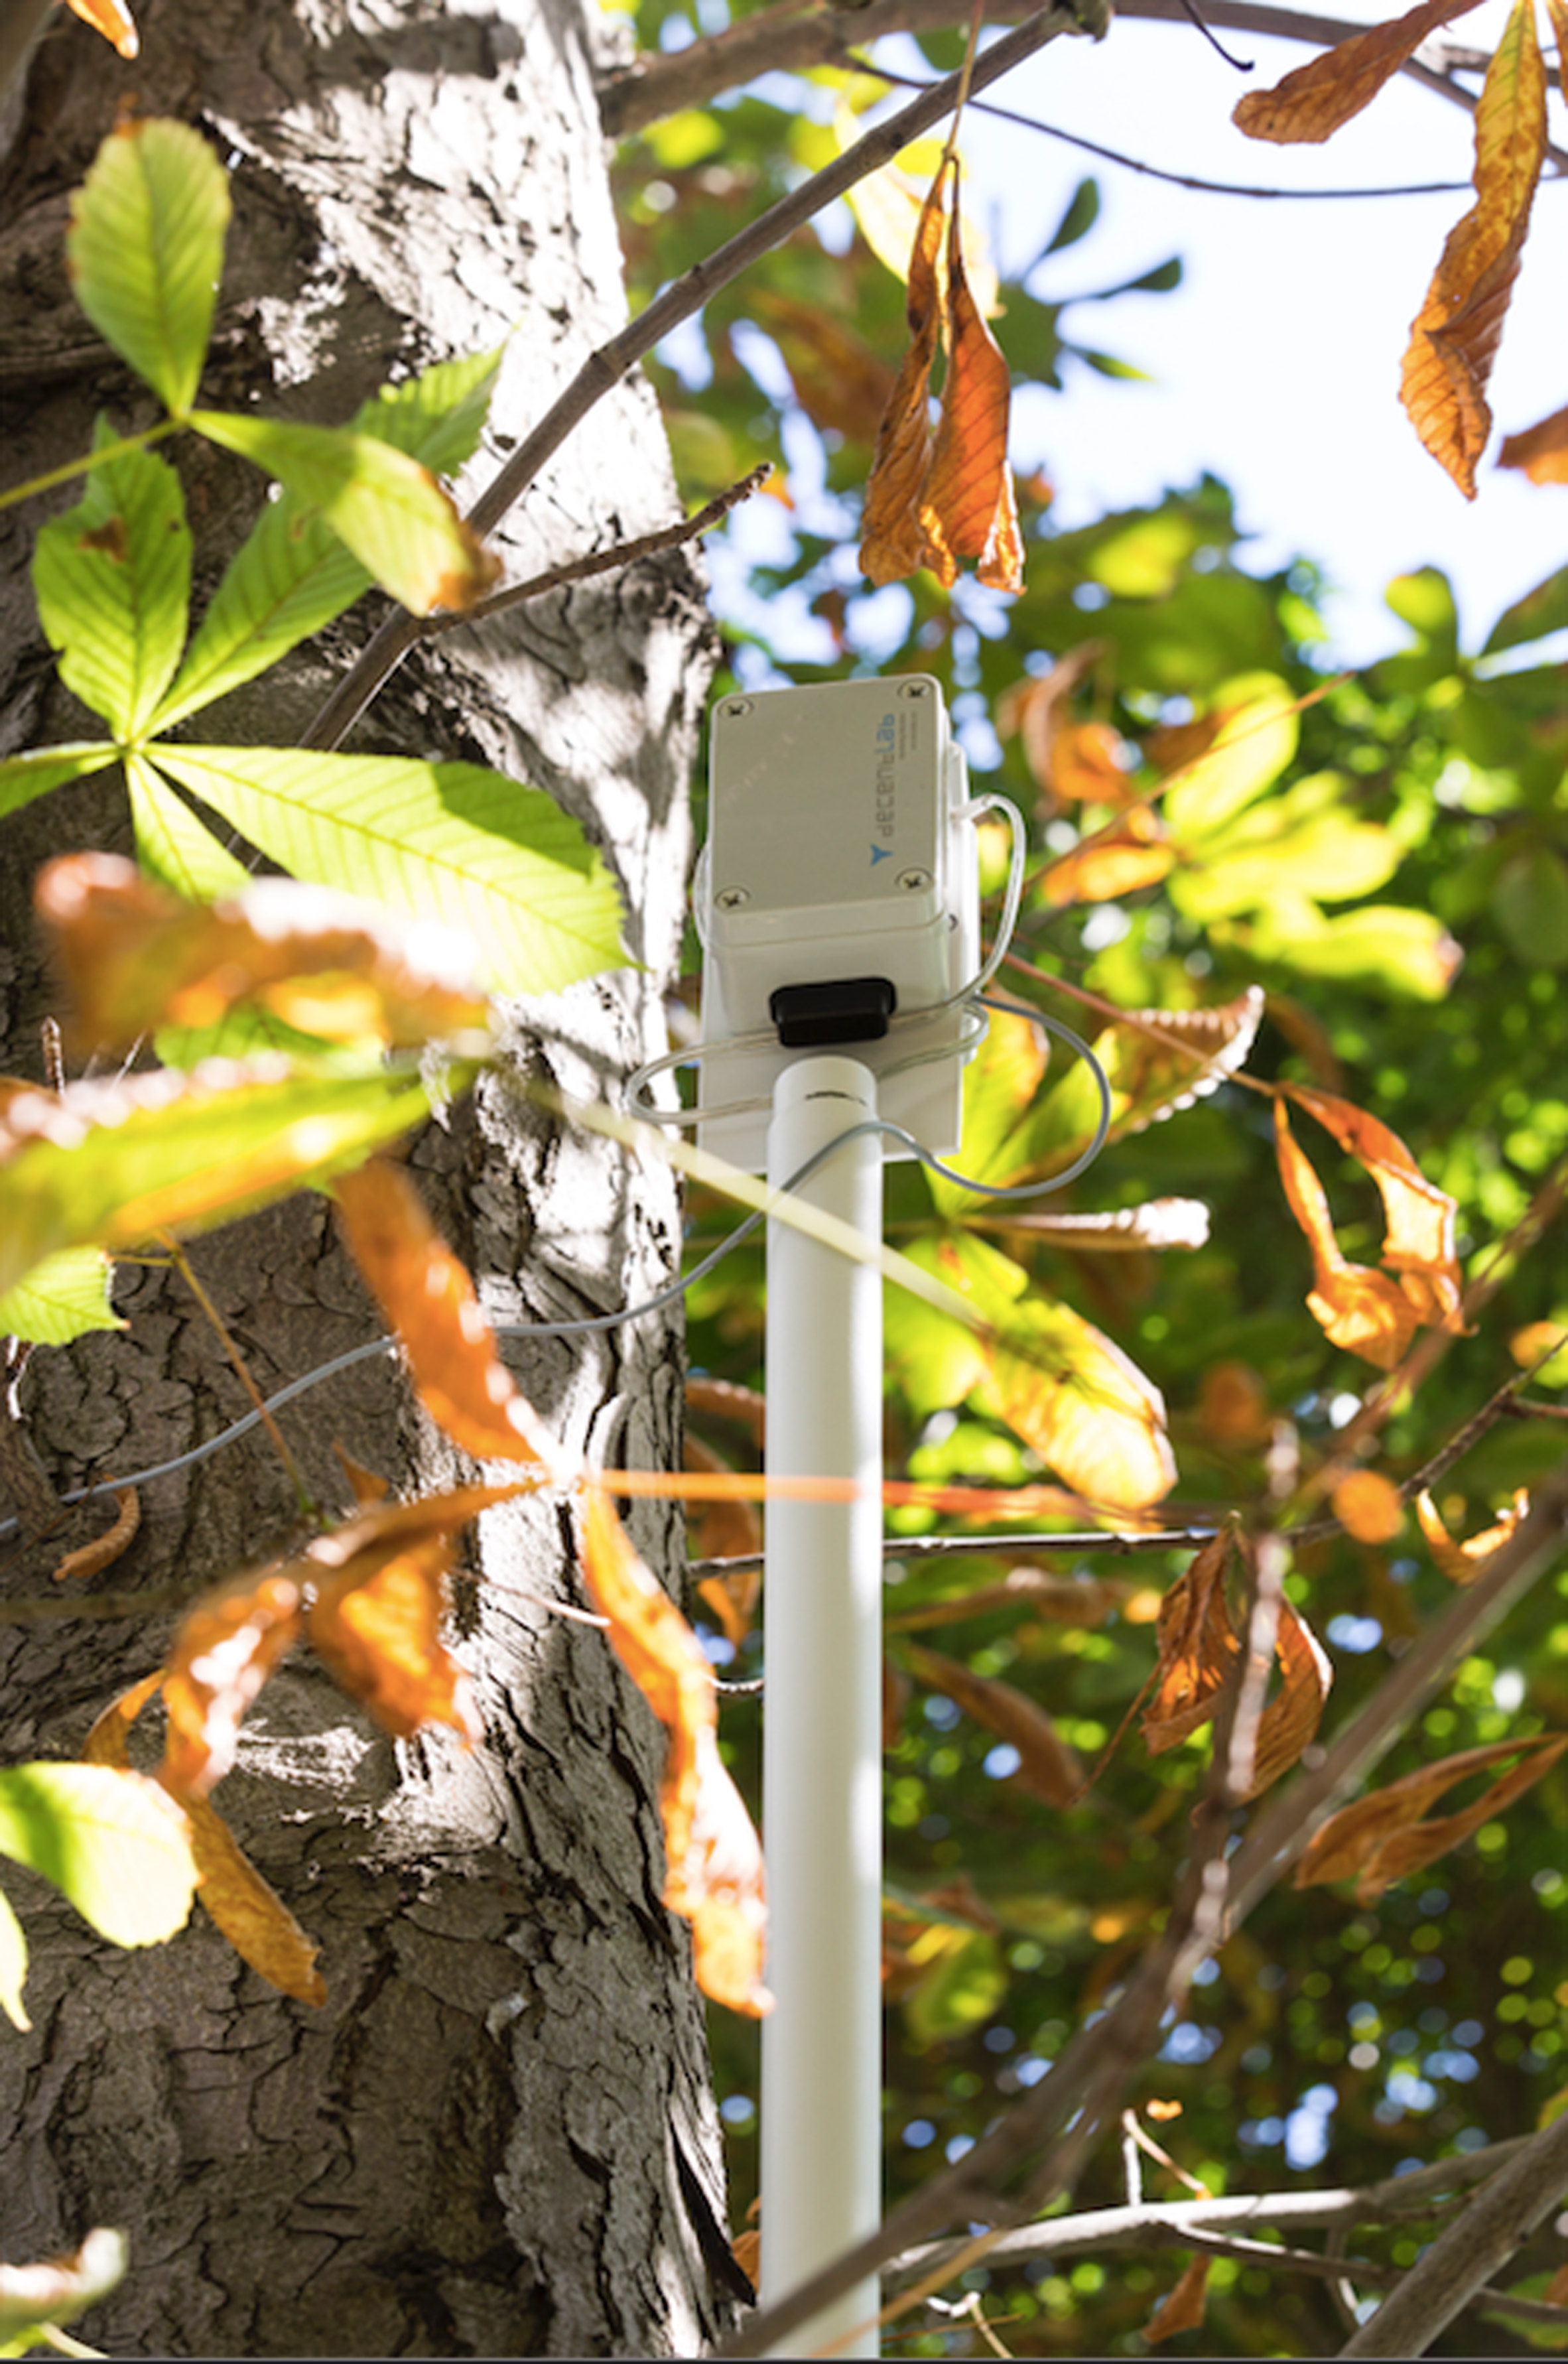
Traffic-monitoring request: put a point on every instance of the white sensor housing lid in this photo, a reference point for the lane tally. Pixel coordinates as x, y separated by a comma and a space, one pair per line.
841, 860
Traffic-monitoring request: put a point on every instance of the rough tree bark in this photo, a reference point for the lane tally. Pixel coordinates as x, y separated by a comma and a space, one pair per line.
497, 2137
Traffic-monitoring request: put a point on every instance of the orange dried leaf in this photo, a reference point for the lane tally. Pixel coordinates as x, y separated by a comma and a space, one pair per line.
136, 957
841, 384
378, 1631
223, 1653
105, 1549
108, 1742
1085, 765
1541, 450
968, 509
1197, 1648
1462, 1563
1368, 1506
1182, 2308
1382, 1838
1233, 1405
1033, 709
1419, 1217
892, 536
723, 1530
1313, 102
1455, 337
1289, 1722
1047, 1766
113, 19
1362, 1311
428, 1298
251, 1914
716, 1864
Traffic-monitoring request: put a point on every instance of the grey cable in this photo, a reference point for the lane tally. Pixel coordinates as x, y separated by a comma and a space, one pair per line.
662, 1297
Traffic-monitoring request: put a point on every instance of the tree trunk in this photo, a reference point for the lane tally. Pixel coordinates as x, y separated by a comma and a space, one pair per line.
497, 2135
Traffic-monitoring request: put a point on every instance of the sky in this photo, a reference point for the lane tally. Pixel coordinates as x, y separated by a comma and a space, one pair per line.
1275, 364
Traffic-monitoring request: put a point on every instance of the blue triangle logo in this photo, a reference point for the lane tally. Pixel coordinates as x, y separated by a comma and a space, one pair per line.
881, 854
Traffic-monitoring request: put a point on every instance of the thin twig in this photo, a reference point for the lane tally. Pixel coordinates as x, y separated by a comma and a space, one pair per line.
605, 368
242, 1370
919, 1547
785, 41
604, 562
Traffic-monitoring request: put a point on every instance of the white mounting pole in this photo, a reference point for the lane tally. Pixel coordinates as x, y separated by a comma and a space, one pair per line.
821, 2100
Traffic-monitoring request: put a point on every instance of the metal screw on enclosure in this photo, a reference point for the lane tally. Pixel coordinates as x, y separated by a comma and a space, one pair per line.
735, 707
913, 880
916, 689
731, 899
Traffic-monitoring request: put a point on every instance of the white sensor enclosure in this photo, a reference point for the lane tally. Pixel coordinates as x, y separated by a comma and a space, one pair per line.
842, 873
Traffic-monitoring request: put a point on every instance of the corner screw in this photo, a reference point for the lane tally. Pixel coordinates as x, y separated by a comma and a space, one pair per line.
916, 689
731, 899
912, 881
734, 708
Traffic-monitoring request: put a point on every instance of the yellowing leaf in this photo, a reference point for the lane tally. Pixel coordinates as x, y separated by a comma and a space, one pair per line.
248, 1911
968, 509
1368, 1507
1418, 1243
1085, 765
1047, 1766
1462, 1563
1084, 1405
427, 1296
1454, 337
379, 1634
1313, 102
1362, 1311
135, 957
113, 19
1541, 450
1382, 1838
886, 203
716, 1864
893, 539
1112, 863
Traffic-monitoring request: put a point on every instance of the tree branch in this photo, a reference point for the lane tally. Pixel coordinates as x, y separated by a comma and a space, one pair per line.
1497, 2221
919, 1547
1059, 2122
774, 41
605, 367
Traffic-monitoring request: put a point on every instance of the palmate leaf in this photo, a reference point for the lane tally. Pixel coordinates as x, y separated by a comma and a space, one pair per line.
387, 507
145, 252
112, 1164
449, 841
293, 575
23, 777
113, 580
110, 1841
173, 846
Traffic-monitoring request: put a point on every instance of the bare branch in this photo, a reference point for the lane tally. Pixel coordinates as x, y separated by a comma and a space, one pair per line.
605, 562
608, 365
1497, 2221
919, 1547
779, 41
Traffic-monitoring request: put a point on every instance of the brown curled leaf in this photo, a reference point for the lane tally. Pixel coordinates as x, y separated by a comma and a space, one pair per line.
377, 1629
1462, 1563
892, 536
223, 1653
1363, 1311
1382, 1838
1419, 1217
1455, 337
1541, 450
1196, 1647
91, 1559
1311, 103
1047, 1766
968, 509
